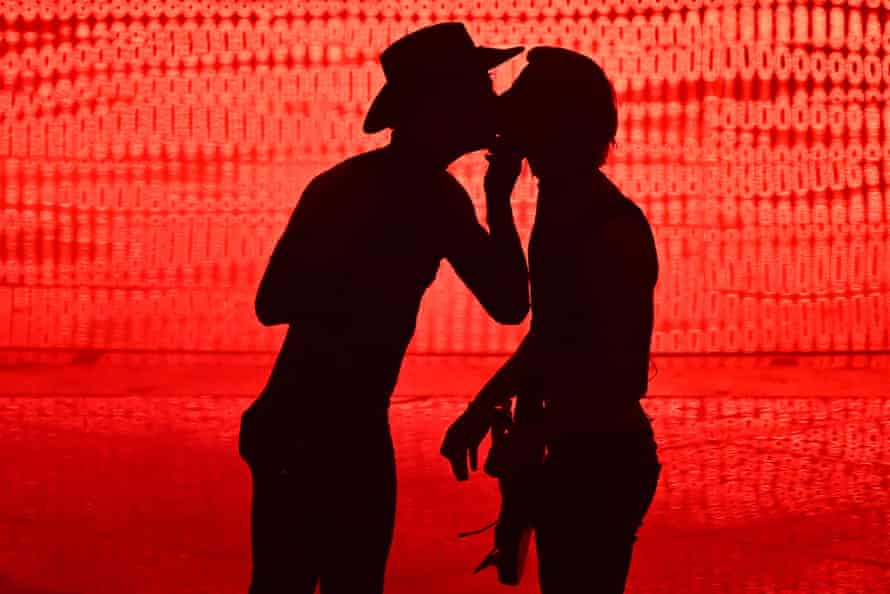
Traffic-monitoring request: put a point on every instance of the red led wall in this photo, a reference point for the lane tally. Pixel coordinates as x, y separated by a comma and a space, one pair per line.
151, 151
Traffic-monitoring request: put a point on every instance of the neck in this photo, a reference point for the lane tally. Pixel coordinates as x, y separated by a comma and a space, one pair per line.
422, 151
558, 174
555, 166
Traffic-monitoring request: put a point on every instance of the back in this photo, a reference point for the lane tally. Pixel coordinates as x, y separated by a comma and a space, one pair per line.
363, 237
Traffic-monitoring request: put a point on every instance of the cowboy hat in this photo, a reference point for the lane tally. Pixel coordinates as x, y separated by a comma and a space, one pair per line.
430, 54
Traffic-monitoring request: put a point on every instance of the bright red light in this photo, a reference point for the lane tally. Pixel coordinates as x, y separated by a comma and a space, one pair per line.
148, 160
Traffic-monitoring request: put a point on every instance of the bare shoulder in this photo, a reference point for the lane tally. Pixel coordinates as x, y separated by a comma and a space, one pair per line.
628, 239
628, 221
627, 230
627, 227
339, 184
626, 234
352, 171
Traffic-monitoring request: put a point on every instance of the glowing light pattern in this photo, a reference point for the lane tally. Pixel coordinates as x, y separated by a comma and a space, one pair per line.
150, 152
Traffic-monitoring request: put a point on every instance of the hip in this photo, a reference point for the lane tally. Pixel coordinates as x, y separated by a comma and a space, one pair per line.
602, 462
573, 418
604, 448
275, 432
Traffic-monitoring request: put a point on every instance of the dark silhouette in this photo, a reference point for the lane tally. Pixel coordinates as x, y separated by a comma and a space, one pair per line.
363, 244
583, 367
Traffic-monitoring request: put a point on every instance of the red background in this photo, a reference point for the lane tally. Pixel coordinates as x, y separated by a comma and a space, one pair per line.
150, 153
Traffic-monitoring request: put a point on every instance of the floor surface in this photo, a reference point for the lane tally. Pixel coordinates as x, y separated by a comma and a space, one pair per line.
120, 475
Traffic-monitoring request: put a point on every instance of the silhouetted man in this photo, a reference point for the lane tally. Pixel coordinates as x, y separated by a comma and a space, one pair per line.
363, 244
583, 367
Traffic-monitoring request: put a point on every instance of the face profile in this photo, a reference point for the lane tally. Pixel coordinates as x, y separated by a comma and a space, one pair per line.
457, 112
560, 111
473, 108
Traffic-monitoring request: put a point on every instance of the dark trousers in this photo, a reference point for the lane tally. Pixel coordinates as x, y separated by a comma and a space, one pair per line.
595, 491
325, 517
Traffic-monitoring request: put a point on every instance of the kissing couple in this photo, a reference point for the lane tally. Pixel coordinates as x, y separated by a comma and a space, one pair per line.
576, 457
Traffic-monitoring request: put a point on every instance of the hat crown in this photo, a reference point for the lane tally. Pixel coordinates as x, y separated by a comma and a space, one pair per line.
437, 49
418, 62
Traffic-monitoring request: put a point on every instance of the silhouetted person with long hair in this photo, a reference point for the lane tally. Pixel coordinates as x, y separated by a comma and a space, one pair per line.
363, 244
583, 367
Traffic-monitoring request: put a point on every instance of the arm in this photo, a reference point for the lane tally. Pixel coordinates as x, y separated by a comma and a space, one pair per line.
509, 380
491, 264
464, 436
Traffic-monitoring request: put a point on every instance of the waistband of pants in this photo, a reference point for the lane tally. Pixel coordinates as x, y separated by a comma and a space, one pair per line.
640, 437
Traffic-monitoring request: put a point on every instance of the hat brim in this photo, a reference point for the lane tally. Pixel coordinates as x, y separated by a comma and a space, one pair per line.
494, 56
380, 113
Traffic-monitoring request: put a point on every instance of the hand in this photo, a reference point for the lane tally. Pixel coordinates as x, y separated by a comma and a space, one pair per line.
462, 440
504, 165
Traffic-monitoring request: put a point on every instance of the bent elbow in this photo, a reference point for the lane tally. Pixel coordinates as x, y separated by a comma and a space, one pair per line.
512, 314
266, 314
265, 318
